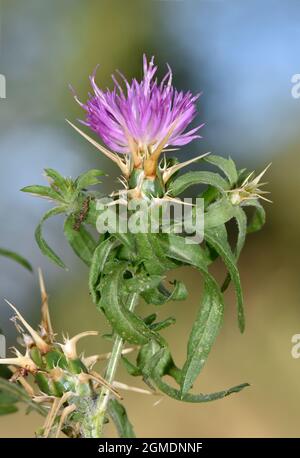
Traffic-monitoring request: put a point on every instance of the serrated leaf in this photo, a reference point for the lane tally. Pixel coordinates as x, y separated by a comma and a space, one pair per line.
100, 256
195, 256
89, 178
58, 181
44, 247
124, 322
43, 191
16, 257
204, 332
226, 165
156, 363
80, 240
150, 251
194, 178
119, 416
217, 238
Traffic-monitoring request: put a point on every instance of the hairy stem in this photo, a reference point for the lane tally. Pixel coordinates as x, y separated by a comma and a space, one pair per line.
101, 408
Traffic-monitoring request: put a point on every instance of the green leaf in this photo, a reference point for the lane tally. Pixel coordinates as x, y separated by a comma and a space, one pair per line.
193, 178
119, 416
176, 248
124, 322
217, 238
149, 250
156, 364
163, 324
141, 282
241, 220
44, 247
258, 218
161, 295
80, 240
7, 398
210, 194
5, 372
89, 178
100, 256
17, 392
179, 292
204, 332
16, 257
219, 212
131, 368
58, 181
5, 409
43, 191
226, 165
149, 319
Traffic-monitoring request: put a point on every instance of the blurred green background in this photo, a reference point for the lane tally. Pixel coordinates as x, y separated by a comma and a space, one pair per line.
242, 55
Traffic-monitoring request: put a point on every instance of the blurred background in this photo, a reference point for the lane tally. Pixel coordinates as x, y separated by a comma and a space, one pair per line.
242, 56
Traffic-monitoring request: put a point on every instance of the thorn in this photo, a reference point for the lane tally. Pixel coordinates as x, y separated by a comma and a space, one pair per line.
90, 361
43, 398
17, 376
58, 402
112, 156
46, 322
174, 168
69, 347
257, 179
21, 361
65, 413
123, 386
100, 380
40, 343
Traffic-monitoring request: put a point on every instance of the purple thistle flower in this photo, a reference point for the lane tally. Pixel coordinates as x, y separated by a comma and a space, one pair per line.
145, 117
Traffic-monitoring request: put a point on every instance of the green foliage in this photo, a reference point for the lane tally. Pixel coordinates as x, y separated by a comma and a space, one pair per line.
7, 399
217, 238
11, 394
16, 257
226, 165
204, 332
119, 416
124, 266
194, 178
74, 201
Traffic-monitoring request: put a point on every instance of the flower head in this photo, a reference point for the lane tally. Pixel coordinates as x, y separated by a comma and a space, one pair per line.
249, 189
142, 118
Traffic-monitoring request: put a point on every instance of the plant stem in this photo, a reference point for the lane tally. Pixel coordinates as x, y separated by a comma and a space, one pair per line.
99, 417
